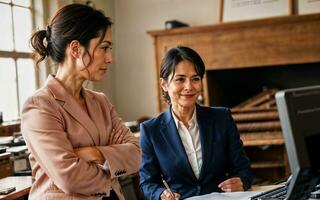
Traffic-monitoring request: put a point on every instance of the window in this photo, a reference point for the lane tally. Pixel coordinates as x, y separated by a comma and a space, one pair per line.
17, 72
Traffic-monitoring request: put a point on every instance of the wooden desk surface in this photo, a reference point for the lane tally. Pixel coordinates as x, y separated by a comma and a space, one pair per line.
22, 184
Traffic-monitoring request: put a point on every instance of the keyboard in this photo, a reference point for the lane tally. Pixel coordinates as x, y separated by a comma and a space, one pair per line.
273, 194
280, 194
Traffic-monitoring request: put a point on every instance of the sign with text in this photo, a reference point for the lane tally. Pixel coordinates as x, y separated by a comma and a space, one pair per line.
307, 6
236, 10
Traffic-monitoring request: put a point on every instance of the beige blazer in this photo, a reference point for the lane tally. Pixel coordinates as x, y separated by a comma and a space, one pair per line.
53, 124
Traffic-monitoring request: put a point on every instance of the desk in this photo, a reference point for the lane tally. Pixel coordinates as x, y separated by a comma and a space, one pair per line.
22, 184
235, 195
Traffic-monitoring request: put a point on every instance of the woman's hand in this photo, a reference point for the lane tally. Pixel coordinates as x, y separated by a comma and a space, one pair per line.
166, 195
231, 185
90, 154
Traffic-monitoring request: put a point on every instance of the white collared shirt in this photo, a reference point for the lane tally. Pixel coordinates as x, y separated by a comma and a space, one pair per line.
190, 138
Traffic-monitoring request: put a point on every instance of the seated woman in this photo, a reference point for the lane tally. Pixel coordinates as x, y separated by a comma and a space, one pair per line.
196, 150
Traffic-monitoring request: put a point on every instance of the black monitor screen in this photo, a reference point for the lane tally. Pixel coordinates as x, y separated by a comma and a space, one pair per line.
299, 111
313, 149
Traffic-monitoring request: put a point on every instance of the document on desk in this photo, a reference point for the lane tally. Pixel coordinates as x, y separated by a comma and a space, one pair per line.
225, 196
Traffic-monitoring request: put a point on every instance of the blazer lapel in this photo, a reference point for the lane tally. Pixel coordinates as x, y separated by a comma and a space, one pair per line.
96, 116
71, 106
172, 138
206, 138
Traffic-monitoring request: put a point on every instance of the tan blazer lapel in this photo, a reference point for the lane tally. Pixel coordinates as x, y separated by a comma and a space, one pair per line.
72, 107
94, 109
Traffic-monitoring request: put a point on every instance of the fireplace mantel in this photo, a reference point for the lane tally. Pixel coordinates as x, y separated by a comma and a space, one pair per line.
273, 41
247, 44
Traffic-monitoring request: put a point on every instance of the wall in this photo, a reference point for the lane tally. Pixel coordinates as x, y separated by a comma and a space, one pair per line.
135, 86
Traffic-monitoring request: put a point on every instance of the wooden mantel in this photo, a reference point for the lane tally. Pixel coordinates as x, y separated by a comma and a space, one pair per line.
278, 41
266, 42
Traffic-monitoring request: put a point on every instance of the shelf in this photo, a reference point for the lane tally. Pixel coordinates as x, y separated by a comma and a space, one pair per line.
260, 139
8, 128
9, 123
264, 142
267, 164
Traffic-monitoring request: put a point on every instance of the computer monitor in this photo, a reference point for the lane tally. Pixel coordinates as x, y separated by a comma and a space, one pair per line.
299, 111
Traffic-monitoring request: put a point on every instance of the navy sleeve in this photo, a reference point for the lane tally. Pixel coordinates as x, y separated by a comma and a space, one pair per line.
150, 173
239, 162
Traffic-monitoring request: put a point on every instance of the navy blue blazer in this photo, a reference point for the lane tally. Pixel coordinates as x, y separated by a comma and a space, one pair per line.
163, 154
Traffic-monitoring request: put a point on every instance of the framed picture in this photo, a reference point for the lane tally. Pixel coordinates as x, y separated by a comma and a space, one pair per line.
235, 10
306, 6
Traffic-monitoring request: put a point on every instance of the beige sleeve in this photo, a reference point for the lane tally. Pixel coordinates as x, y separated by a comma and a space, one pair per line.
123, 157
43, 130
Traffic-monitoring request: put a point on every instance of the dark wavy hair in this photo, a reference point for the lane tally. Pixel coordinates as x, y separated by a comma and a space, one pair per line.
172, 58
72, 22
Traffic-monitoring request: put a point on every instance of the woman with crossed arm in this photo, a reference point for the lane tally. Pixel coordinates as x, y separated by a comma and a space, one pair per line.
79, 146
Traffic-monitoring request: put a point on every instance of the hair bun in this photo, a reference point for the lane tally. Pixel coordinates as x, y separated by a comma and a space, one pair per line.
48, 33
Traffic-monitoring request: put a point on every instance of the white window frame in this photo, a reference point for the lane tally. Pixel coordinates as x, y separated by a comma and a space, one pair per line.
15, 55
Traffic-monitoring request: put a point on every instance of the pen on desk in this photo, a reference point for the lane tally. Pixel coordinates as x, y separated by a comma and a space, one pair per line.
167, 187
